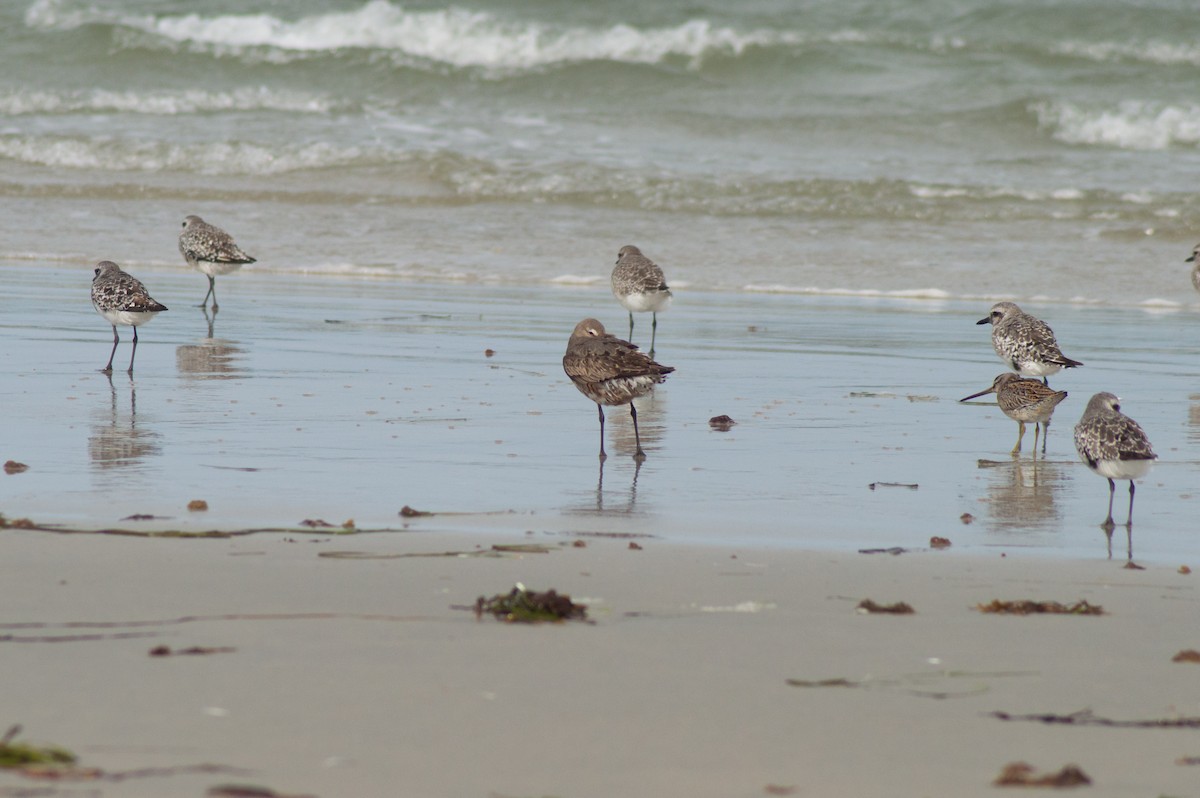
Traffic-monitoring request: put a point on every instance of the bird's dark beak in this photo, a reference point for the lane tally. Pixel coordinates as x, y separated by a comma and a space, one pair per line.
1189, 260
984, 320
975, 395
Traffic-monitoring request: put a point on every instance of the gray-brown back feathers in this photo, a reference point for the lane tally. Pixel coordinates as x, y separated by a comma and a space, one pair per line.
608, 370
1104, 433
116, 291
1025, 342
202, 242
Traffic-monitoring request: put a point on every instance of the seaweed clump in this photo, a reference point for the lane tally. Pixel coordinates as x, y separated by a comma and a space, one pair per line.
1028, 607
15, 754
521, 605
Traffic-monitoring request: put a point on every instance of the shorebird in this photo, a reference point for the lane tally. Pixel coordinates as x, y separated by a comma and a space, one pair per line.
121, 299
611, 372
1195, 259
1114, 446
639, 285
211, 250
1025, 342
1025, 401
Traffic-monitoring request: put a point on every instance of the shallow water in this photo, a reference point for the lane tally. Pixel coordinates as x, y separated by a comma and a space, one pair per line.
348, 397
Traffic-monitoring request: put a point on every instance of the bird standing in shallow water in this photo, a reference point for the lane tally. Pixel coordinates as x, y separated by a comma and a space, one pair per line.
611, 372
1114, 446
121, 299
1025, 343
211, 250
640, 286
1025, 401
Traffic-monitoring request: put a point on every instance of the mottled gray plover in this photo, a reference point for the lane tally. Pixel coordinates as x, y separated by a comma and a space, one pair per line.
611, 372
1195, 260
1114, 446
1025, 342
639, 285
1025, 401
211, 250
121, 299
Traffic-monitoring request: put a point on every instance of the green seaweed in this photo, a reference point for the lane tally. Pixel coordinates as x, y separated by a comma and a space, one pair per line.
20, 754
521, 605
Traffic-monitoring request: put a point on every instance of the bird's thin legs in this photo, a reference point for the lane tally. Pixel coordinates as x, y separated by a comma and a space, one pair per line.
600, 411
112, 354
639, 454
134, 353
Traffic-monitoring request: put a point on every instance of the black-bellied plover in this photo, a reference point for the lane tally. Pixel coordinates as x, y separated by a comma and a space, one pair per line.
639, 285
1195, 261
1025, 401
1024, 342
211, 250
121, 299
1114, 446
611, 372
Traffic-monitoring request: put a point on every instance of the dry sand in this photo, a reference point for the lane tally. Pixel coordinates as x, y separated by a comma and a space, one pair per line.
356, 670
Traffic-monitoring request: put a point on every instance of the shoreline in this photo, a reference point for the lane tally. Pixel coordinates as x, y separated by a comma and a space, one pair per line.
339, 399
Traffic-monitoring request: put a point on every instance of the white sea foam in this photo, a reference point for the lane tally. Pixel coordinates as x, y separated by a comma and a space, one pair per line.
454, 36
18, 102
902, 293
218, 158
1133, 124
1154, 52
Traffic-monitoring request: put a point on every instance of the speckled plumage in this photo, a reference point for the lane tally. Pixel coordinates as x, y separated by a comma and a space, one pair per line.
1024, 342
122, 299
640, 286
1195, 261
1114, 446
211, 250
610, 371
1025, 401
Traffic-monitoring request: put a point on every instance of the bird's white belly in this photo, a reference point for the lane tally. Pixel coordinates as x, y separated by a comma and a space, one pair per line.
128, 318
653, 301
215, 268
1037, 368
1123, 469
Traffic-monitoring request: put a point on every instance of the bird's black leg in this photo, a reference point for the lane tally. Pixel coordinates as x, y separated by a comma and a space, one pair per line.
116, 340
1129, 521
1108, 522
600, 410
212, 291
639, 454
134, 353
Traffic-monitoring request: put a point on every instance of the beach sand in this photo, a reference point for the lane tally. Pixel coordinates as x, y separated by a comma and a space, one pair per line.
356, 669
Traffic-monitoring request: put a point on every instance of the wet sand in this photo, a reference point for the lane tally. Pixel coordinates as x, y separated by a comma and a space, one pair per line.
340, 399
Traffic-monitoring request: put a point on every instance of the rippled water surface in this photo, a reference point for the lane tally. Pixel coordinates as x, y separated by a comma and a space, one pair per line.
944, 149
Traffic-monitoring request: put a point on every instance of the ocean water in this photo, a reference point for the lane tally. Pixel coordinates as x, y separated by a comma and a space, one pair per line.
945, 149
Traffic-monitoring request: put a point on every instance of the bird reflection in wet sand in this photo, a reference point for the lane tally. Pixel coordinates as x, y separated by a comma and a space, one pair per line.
612, 372
117, 441
1025, 401
1022, 494
630, 504
210, 359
